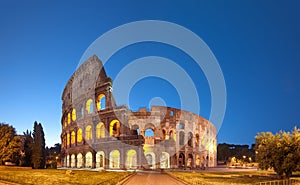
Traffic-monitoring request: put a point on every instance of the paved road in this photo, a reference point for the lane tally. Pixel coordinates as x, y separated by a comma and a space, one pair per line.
152, 178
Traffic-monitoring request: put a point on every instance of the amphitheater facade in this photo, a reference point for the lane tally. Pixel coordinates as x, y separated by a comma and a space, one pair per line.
96, 133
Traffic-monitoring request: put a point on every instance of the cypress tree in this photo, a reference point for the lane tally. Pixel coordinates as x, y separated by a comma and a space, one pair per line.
38, 150
28, 147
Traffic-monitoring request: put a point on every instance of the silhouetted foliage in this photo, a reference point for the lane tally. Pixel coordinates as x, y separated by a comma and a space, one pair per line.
27, 149
38, 150
226, 151
53, 156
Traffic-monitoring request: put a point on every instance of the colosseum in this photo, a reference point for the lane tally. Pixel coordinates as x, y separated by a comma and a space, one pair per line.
97, 133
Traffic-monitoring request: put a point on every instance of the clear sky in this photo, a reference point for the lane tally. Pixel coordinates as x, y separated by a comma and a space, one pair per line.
256, 43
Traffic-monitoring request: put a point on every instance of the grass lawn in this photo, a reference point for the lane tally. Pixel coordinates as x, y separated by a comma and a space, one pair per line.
47, 176
223, 178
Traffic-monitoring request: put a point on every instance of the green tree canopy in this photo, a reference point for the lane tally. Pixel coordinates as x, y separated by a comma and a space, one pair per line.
280, 151
10, 144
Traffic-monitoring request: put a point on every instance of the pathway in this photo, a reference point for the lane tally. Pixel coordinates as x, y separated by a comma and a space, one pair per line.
152, 178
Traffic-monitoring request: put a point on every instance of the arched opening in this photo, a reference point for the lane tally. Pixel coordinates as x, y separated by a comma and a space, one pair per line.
181, 138
100, 131
79, 160
68, 139
114, 159
131, 159
73, 137
165, 134
181, 160
114, 129
197, 140
198, 161
68, 161
82, 111
149, 132
69, 118
88, 132
101, 102
150, 157
88, 160
181, 126
135, 130
165, 160
100, 159
171, 113
190, 161
74, 115
172, 135
89, 106
72, 161
79, 135
190, 139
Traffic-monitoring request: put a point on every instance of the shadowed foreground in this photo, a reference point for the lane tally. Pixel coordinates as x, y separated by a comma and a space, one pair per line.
152, 179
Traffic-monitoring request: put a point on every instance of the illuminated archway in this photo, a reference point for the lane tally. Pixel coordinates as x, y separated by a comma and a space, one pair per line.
69, 118
100, 131
114, 159
172, 135
189, 161
150, 157
88, 133
79, 135
88, 160
181, 160
79, 160
89, 106
68, 139
68, 161
114, 128
198, 161
101, 102
73, 137
72, 161
165, 160
74, 115
131, 159
100, 159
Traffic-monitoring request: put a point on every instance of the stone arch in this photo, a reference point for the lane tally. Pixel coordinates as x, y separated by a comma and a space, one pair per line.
172, 134
149, 130
165, 160
79, 160
88, 160
165, 134
74, 115
114, 159
89, 106
100, 130
100, 159
131, 159
79, 135
190, 139
68, 161
114, 128
135, 129
73, 137
72, 161
189, 161
198, 161
88, 133
101, 102
150, 157
197, 141
181, 160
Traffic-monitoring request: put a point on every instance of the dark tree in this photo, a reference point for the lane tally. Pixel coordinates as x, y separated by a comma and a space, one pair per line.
27, 147
38, 150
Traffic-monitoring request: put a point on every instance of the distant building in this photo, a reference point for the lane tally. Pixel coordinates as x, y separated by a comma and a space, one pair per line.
96, 133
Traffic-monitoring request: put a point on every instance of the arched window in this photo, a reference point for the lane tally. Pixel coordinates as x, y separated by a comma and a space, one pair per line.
89, 106
100, 131
165, 135
79, 135
114, 129
68, 139
101, 102
72, 161
82, 112
149, 132
88, 160
65, 122
114, 159
100, 159
172, 135
171, 113
197, 140
74, 115
88, 132
131, 159
181, 138
135, 130
181, 126
164, 160
73, 137
69, 118
79, 160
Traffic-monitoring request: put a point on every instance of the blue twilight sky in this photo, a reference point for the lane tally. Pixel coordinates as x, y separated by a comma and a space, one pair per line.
256, 43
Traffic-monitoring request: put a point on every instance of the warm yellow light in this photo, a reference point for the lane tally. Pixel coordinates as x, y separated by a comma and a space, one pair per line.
79, 135
74, 115
114, 128
244, 156
100, 131
89, 106
73, 137
88, 132
99, 106
69, 118
68, 139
